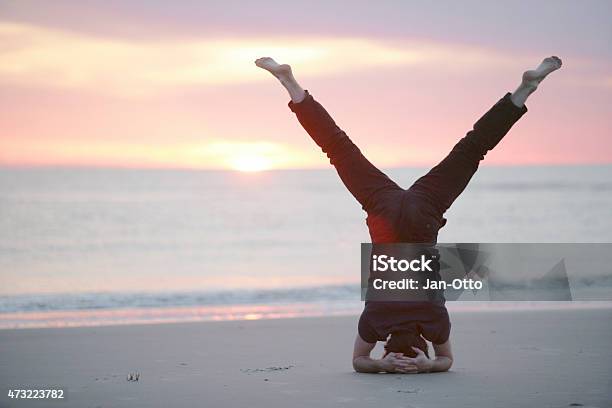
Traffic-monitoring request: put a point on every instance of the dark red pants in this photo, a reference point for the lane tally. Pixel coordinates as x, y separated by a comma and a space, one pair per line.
416, 214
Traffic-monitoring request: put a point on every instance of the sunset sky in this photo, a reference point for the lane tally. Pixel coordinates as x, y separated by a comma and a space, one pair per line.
173, 84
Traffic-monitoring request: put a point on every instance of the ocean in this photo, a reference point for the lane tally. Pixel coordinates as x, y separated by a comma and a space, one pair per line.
93, 246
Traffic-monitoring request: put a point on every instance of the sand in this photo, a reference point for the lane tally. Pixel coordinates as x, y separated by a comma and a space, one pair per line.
503, 359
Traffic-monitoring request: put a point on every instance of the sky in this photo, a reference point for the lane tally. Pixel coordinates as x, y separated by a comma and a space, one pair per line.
173, 85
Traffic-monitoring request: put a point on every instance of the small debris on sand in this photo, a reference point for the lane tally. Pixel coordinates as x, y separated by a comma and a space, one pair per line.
133, 377
265, 370
410, 391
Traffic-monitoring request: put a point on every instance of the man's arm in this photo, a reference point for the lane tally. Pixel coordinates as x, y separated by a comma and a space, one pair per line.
444, 357
391, 363
362, 362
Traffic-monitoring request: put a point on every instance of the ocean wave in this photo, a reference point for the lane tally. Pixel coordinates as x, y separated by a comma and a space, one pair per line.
591, 288
91, 301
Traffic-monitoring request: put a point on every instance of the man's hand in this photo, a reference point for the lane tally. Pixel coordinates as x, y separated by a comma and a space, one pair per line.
398, 363
421, 361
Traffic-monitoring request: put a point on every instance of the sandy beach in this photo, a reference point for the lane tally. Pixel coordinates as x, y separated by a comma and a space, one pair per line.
547, 358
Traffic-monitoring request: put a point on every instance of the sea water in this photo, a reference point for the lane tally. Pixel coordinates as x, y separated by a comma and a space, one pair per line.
84, 246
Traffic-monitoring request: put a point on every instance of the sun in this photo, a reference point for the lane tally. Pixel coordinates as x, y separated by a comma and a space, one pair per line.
246, 157
250, 163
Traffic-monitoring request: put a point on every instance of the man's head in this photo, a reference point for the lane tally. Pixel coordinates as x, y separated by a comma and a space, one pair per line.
403, 341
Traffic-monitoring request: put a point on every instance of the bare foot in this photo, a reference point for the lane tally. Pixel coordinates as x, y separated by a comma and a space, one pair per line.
285, 76
278, 70
535, 76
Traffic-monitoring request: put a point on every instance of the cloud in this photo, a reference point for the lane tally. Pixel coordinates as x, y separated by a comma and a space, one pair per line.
42, 57
207, 154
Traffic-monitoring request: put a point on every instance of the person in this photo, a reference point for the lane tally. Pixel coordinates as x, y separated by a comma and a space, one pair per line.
414, 215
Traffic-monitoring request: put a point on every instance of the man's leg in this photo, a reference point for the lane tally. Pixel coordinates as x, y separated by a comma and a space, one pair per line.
369, 185
443, 184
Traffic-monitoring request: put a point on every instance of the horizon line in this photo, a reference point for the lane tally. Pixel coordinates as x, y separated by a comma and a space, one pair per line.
230, 170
